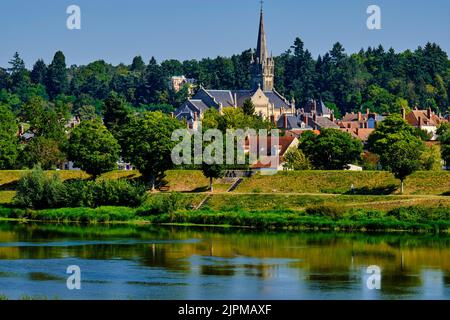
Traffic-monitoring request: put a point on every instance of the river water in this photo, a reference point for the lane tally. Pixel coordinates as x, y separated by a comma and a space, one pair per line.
149, 262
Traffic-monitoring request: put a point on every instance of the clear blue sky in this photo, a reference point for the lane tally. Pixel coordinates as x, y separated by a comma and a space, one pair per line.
116, 30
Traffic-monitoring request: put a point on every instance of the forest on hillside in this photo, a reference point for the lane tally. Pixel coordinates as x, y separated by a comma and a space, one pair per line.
375, 78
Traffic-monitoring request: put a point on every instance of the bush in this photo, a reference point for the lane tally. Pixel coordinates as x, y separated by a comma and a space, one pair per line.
330, 211
36, 190
163, 204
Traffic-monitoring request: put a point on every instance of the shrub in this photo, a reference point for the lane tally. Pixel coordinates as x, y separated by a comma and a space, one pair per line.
330, 211
36, 190
163, 204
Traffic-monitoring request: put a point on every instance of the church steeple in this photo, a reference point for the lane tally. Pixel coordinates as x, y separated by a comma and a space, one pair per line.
261, 49
263, 71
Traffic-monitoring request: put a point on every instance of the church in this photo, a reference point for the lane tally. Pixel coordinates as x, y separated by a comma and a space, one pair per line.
269, 104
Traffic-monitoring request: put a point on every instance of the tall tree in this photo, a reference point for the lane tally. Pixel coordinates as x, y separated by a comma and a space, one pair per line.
57, 81
39, 72
248, 108
147, 144
398, 147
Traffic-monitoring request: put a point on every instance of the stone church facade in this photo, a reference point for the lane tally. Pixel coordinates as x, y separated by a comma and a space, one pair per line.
268, 103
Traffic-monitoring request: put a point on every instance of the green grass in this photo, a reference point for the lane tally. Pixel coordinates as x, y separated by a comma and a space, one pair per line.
6, 196
298, 202
339, 182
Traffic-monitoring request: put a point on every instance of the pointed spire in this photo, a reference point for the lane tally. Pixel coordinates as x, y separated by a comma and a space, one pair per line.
261, 49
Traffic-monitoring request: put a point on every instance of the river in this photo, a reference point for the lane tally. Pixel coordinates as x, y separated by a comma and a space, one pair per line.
150, 262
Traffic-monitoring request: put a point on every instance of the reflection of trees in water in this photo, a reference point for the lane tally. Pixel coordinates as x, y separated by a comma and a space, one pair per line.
332, 258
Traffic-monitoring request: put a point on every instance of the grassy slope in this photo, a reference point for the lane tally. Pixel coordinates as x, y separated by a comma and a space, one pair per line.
420, 183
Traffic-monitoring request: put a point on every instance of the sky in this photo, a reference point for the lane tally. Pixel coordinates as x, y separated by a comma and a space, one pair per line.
118, 30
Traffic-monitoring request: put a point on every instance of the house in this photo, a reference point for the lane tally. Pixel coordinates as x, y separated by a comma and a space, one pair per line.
176, 83
425, 120
273, 154
368, 120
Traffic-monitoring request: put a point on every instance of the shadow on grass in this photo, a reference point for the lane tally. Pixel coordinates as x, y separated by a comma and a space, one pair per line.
11, 186
446, 193
378, 191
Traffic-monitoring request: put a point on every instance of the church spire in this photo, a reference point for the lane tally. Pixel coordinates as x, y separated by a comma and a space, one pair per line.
261, 49
263, 70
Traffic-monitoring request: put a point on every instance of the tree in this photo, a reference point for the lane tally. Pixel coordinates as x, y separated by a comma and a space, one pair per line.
444, 137
93, 148
332, 149
393, 125
115, 114
43, 151
399, 148
402, 157
295, 159
148, 146
248, 107
39, 72
138, 65
18, 74
9, 142
57, 81
213, 171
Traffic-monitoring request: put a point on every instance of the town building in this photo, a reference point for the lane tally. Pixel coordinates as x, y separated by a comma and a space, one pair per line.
425, 120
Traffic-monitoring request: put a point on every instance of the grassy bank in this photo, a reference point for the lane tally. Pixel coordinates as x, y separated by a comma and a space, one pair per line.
328, 217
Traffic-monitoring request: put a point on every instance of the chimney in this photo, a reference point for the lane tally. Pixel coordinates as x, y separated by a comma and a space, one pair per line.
305, 120
272, 118
285, 121
403, 113
367, 112
420, 122
195, 116
235, 100
429, 113
315, 117
332, 116
359, 116
315, 106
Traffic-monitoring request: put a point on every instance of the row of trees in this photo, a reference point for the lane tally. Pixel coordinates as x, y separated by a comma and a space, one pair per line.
384, 81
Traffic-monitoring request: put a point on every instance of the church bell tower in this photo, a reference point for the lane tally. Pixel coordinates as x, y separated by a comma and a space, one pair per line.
263, 65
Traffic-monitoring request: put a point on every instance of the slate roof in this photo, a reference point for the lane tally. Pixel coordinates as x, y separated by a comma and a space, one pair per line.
321, 109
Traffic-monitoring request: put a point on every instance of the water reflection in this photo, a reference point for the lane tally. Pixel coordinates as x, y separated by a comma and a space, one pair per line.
148, 262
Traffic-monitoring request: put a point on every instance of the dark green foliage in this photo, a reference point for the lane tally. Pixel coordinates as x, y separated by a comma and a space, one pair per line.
39, 191
444, 138
248, 108
93, 148
9, 142
331, 150
397, 145
147, 144
57, 81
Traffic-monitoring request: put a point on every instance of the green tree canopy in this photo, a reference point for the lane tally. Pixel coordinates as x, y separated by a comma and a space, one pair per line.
9, 142
397, 145
93, 148
332, 149
148, 146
